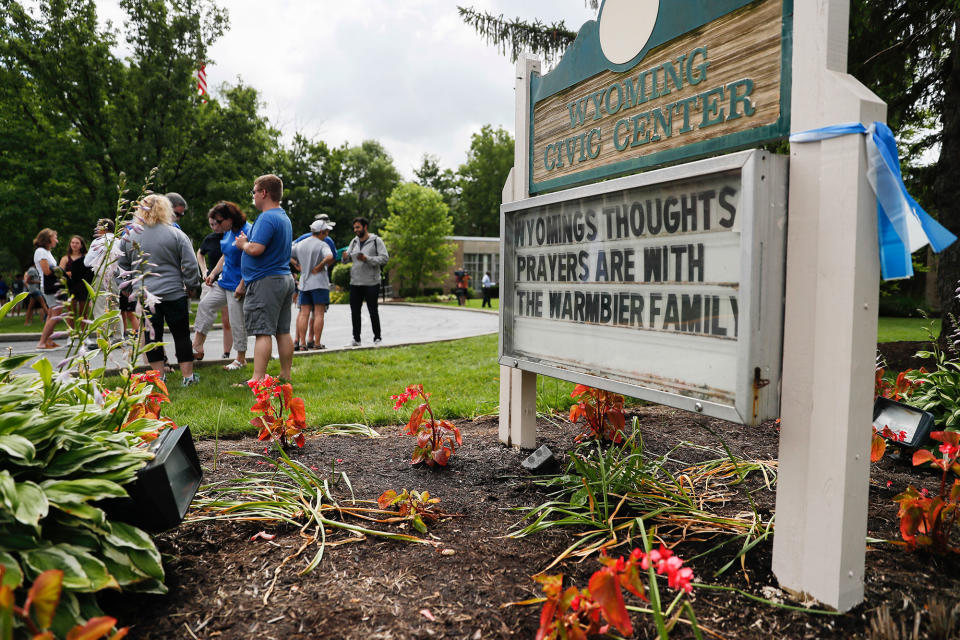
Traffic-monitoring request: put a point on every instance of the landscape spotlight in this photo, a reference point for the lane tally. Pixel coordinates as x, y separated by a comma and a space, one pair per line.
164, 489
899, 417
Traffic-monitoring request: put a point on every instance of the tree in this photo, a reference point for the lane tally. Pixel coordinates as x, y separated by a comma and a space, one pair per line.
369, 178
515, 36
489, 161
75, 116
907, 52
312, 182
429, 174
416, 235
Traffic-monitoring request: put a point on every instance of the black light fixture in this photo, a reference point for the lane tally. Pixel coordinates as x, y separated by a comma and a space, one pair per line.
164, 489
915, 424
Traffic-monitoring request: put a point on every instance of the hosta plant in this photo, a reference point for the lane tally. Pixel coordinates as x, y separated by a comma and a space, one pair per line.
282, 417
64, 446
601, 410
436, 439
926, 520
36, 616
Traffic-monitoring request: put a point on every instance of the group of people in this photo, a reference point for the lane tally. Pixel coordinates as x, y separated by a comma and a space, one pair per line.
243, 268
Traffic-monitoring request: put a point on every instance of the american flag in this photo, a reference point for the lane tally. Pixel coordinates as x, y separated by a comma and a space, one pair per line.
202, 82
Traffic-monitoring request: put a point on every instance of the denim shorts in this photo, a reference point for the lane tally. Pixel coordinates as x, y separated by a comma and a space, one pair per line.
315, 297
266, 306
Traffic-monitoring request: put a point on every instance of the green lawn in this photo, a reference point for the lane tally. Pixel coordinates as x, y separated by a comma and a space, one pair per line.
912, 329
355, 387
473, 303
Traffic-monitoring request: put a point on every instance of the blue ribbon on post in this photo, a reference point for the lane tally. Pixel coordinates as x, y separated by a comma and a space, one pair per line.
903, 225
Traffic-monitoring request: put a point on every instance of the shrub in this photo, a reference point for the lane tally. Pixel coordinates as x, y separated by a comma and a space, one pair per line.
341, 276
63, 447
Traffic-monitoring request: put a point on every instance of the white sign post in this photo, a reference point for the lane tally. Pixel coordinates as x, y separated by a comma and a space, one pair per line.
830, 323
832, 265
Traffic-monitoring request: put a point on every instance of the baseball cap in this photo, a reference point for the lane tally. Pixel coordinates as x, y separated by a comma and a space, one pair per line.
320, 225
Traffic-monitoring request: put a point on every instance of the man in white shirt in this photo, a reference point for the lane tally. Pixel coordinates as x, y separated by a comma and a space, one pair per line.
313, 255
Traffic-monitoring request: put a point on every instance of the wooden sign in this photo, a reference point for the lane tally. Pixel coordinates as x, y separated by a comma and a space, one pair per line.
721, 86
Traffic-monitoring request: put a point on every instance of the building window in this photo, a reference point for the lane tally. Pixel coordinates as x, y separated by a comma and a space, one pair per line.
476, 264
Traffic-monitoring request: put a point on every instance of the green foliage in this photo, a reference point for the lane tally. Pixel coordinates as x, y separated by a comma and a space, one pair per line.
39, 609
341, 276
489, 160
608, 490
289, 492
78, 114
516, 35
368, 177
415, 234
415, 506
61, 453
444, 181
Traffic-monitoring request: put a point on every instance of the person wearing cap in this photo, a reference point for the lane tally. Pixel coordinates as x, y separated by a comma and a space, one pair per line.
179, 207
313, 255
333, 249
102, 260
327, 239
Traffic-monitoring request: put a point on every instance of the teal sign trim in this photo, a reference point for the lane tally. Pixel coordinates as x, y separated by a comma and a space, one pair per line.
584, 58
587, 47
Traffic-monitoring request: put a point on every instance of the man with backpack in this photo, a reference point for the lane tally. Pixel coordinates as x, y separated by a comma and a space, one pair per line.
368, 254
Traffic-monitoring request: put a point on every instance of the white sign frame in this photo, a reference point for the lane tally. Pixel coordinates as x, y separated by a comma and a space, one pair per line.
762, 231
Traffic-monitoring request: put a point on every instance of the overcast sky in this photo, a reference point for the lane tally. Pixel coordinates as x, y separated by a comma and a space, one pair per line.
405, 72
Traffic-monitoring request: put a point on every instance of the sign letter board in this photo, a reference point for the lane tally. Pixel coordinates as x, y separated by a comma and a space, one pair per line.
665, 286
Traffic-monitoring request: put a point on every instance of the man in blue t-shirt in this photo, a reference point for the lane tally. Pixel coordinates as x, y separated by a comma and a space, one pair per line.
267, 282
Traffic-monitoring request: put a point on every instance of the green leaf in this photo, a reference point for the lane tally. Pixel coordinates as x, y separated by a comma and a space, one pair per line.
18, 447
31, 504
45, 369
81, 570
418, 524
83, 511
143, 551
81, 490
5, 309
13, 577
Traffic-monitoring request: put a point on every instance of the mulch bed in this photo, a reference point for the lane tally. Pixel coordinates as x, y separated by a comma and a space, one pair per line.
379, 589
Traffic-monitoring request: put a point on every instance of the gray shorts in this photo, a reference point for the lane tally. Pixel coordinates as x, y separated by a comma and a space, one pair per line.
52, 301
266, 306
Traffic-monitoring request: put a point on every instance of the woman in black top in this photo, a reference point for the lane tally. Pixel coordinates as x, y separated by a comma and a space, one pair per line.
77, 273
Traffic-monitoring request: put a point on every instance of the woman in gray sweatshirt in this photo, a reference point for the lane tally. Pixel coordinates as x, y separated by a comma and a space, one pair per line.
160, 267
